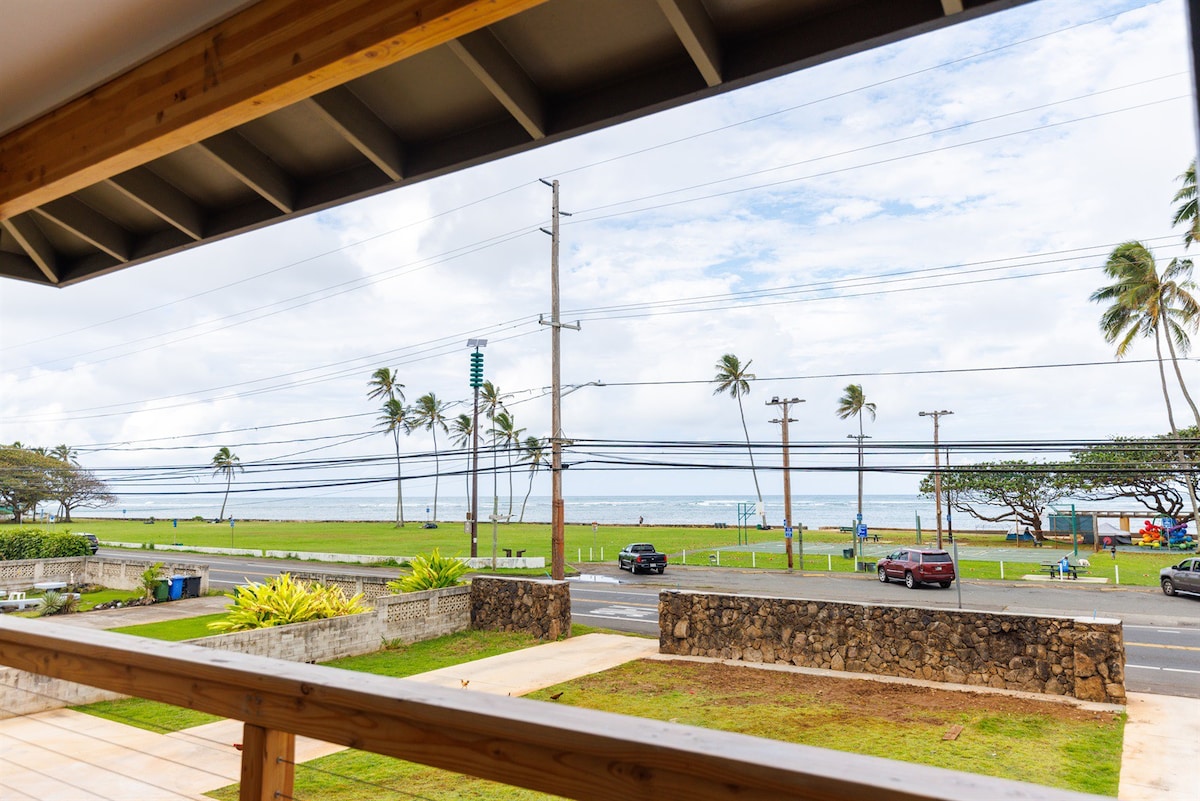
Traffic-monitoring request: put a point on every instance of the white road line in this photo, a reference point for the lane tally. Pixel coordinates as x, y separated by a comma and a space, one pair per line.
1142, 667
1180, 670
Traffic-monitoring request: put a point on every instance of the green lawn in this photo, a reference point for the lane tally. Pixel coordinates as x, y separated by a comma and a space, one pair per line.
188, 628
697, 543
1001, 736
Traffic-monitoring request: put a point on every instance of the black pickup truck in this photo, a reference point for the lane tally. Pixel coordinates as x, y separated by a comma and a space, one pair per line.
641, 556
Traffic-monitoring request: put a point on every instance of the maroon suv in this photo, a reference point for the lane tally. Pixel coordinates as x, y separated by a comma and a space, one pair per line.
917, 566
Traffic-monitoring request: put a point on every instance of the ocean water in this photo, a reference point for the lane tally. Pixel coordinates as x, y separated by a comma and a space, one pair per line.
887, 511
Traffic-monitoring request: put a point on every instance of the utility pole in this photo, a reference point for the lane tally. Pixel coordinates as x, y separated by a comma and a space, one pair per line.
558, 560
476, 383
859, 541
787, 473
937, 469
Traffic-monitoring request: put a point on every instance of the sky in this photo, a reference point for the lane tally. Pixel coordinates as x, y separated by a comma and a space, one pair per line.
899, 218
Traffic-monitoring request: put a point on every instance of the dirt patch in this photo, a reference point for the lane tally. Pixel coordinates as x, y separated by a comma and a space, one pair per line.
862, 697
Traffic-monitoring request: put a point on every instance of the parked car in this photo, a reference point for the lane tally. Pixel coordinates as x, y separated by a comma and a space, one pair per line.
917, 566
1183, 577
641, 556
93, 543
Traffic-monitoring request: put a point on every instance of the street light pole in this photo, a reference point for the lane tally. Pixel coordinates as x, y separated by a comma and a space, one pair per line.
937, 469
787, 473
476, 382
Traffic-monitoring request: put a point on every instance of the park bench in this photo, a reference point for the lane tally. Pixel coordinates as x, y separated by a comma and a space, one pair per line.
1073, 570
19, 601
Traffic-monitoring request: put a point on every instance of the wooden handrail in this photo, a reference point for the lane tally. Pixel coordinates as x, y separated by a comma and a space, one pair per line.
566, 751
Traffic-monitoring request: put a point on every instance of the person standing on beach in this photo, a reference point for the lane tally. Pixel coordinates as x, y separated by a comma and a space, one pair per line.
640, 519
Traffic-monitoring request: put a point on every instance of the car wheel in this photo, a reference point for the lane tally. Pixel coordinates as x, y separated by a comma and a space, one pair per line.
1168, 587
883, 579
633, 568
945, 585
662, 569
909, 581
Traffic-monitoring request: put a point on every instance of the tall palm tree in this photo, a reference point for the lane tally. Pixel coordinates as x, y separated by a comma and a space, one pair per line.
507, 432
65, 453
1146, 303
1187, 213
493, 403
394, 418
385, 383
460, 435
430, 414
852, 404
226, 463
734, 378
533, 455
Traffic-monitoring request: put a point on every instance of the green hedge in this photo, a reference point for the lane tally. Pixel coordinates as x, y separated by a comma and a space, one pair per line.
36, 543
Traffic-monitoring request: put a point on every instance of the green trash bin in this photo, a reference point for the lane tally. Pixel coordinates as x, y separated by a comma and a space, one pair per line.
162, 590
847, 553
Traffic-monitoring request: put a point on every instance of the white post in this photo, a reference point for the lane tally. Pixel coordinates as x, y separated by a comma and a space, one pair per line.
579, 558
683, 559
829, 556
1117, 570
752, 562
1002, 570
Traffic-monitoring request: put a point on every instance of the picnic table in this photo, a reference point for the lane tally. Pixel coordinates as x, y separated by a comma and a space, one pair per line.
1055, 569
50, 585
18, 600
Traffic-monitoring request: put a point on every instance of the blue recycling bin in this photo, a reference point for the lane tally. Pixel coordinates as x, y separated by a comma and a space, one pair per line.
176, 587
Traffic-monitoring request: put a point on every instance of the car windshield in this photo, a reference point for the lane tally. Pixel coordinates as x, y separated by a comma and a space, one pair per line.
935, 557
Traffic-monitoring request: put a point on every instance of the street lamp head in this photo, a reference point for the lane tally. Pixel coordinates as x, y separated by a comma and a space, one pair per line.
774, 399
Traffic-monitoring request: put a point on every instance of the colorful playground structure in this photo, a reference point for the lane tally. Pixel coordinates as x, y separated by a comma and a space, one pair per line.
1166, 533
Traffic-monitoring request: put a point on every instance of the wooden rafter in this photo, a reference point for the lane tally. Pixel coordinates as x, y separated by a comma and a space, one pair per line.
268, 56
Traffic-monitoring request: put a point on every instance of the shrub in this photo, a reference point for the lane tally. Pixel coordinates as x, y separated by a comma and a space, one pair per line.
58, 603
282, 600
430, 573
149, 580
36, 543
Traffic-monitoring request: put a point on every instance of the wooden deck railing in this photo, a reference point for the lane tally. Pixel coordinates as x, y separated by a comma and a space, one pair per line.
566, 751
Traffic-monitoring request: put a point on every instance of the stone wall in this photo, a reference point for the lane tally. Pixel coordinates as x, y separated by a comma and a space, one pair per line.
541, 608
117, 574
1082, 658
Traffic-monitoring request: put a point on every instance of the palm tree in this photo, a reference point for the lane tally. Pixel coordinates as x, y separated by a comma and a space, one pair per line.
460, 435
852, 404
734, 377
394, 419
430, 414
1145, 303
65, 453
226, 463
534, 453
1187, 213
384, 383
505, 426
493, 403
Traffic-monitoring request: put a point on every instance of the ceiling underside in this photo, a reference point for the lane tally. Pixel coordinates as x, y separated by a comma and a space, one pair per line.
289, 107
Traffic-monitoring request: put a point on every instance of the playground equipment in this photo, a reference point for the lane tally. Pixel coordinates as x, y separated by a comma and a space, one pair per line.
1166, 534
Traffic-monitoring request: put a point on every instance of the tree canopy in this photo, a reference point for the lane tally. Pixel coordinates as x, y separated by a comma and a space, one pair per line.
1022, 490
1147, 471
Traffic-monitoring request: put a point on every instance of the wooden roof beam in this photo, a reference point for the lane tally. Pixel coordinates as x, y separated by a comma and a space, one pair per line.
268, 56
248, 164
35, 245
359, 126
696, 31
89, 225
508, 82
161, 199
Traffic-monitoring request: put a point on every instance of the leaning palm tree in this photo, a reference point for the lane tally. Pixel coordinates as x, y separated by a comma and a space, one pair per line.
429, 413
460, 435
394, 418
534, 453
65, 453
1187, 213
384, 383
226, 463
506, 429
734, 378
1145, 303
852, 404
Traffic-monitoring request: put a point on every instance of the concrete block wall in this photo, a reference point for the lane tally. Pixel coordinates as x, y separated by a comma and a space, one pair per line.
1082, 658
117, 574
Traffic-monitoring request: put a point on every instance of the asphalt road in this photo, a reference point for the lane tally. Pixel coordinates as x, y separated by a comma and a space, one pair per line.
1162, 635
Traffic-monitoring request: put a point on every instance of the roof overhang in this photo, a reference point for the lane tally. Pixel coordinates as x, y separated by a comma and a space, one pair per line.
287, 107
